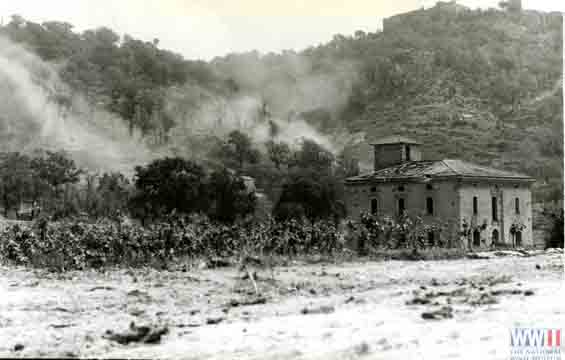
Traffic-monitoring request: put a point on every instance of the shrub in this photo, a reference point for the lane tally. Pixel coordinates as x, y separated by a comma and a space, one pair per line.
78, 245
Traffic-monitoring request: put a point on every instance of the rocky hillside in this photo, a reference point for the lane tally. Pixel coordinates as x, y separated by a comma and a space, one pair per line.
485, 86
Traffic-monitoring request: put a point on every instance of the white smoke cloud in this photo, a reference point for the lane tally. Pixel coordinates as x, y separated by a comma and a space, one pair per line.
288, 89
33, 116
32, 110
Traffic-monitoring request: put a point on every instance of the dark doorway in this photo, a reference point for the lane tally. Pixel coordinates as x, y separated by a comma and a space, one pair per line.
476, 238
495, 236
518, 238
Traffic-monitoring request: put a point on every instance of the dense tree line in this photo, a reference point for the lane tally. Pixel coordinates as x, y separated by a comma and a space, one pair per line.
309, 179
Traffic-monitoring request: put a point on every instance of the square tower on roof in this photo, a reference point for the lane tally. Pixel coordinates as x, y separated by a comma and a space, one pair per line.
395, 150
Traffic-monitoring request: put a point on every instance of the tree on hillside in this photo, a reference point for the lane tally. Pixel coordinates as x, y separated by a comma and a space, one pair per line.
169, 184
16, 180
237, 150
230, 199
279, 153
113, 190
556, 236
313, 156
53, 172
308, 194
55, 168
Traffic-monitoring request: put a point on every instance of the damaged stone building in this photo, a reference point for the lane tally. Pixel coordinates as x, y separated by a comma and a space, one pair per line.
483, 205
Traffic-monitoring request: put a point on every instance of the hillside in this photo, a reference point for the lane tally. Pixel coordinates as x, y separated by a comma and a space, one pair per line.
484, 86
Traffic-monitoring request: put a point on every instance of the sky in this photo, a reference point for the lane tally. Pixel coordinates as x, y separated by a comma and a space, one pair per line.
202, 29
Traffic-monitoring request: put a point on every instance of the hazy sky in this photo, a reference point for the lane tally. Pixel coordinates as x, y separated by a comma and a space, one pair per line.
207, 28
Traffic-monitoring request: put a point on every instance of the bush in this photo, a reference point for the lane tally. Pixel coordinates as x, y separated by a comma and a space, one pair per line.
410, 232
312, 195
556, 235
78, 245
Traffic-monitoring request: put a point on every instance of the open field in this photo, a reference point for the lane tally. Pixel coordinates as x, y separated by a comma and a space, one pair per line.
309, 311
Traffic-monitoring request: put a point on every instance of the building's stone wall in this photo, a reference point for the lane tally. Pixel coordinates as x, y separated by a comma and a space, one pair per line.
443, 193
453, 204
522, 192
505, 194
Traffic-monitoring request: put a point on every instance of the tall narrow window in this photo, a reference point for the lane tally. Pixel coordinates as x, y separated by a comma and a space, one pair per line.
431, 238
401, 206
476, 238
374, 206
494, 209
430, 206
475, 205
407, 152
517, 205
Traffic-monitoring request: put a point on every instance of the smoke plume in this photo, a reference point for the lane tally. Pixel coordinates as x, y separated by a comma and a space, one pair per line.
270, 102
38, 110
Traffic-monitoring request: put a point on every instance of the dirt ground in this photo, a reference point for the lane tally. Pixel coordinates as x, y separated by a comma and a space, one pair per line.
309, 311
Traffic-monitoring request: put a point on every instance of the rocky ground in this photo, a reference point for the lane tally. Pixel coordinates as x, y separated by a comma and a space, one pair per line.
452, 309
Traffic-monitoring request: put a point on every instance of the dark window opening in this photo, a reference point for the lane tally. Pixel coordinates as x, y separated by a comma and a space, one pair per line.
401, 188
401, 206
429, 187
374, 206
476, 238
517, 205
494, 209
431, 238
373, 189
475, 205
430, 206
407, 152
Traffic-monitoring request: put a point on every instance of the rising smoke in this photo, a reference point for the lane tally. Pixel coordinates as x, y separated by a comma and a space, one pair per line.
38, 110
269, 96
